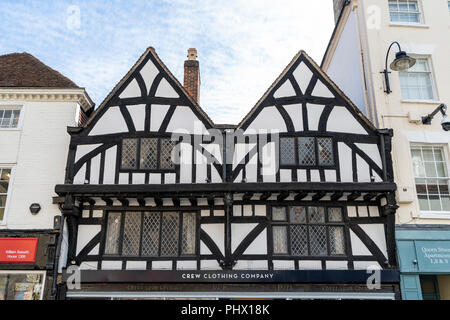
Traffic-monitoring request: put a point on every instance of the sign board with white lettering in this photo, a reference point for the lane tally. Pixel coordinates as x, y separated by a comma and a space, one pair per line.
433, 256
18, 250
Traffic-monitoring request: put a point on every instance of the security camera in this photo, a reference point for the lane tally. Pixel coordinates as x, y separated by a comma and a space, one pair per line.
445, 120
445, 123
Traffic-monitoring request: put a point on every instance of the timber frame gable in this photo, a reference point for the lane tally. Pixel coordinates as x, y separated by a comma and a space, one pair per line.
329, 204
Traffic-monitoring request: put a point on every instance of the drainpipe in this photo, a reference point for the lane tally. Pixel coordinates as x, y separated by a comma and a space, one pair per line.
57, 257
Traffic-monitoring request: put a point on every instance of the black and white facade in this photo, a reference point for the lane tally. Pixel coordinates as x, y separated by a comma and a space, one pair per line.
295, 201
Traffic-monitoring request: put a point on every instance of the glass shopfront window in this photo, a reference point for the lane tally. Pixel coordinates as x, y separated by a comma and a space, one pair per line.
21, 285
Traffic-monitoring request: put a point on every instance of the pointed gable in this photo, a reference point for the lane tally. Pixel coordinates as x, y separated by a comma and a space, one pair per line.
148, 83
307, 100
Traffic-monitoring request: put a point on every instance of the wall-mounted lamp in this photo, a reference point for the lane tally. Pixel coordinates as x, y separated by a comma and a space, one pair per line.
445, 120
402, 62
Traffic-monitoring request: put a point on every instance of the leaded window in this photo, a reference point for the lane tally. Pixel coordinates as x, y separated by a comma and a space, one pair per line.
404, 11
308, 231
306, 151
9, 117
431, 177
5, 176
151, 234
147, 154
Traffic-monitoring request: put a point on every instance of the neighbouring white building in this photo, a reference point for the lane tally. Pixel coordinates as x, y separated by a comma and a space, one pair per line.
37, 104
355, 60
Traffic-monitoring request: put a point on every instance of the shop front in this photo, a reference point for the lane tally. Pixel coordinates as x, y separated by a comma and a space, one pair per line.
424, 259
26, 264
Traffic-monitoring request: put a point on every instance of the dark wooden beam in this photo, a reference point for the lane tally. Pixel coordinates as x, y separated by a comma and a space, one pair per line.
354, 195
319, 195
158, 201
336, 196
108, 201
265, 196
369, 196
210, 201
300, 196
283, 195
247, 196
141, 201
201, 188
124, 201
176, 201
193, 201
88, 200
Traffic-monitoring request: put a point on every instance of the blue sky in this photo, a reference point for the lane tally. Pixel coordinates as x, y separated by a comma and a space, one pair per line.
243, 45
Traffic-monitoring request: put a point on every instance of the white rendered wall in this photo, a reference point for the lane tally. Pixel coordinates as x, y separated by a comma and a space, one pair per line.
345, 68
38, 153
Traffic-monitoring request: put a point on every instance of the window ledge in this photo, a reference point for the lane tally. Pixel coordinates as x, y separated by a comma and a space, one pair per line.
405, 24
434, 215
10, 129
421, 101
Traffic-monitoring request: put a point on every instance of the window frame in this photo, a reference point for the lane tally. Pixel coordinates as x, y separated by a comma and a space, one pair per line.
435, 96
42, 283
297, 164
8, 194
431, 213
420, 14
287, 223
180, 255
138, 156
19, 122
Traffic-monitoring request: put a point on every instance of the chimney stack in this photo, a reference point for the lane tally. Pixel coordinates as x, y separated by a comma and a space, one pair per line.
192, 75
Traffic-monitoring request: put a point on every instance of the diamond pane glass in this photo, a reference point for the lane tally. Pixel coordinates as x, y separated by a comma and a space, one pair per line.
334, 214
129, 151
279, 239
297, 214
299, 240
306, 151
287, 151
318, 240
325, 151
131, 234
279, 213
149, 153
188, 233
150, 236
112, 233
166, 154
316, 214
337, 245
169, 234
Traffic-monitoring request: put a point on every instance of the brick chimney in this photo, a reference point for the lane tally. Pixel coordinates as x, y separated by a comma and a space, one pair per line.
192, 75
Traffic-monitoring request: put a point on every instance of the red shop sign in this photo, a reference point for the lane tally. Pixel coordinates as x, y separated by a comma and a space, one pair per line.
18, 250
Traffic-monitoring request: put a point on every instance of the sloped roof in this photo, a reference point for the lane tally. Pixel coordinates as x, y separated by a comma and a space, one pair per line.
26, 71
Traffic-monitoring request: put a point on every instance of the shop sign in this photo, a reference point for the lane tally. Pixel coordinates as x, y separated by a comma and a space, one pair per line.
18, 250
433, 255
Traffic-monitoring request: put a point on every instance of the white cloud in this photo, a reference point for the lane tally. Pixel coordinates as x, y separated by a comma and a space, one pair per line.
243, 45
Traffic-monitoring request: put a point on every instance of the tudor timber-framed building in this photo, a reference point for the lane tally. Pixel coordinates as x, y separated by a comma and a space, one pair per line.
296, 201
